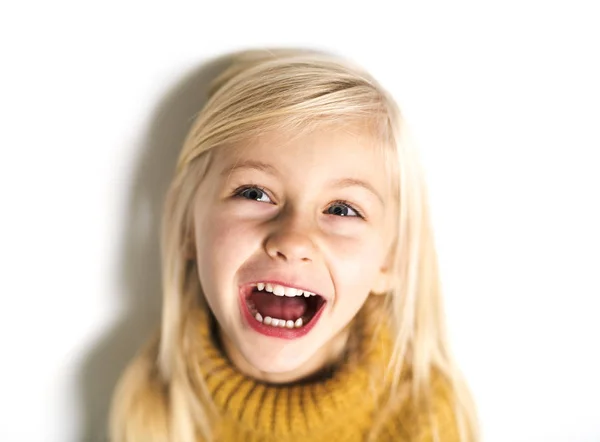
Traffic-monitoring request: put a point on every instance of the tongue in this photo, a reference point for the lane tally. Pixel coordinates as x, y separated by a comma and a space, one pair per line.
281, 307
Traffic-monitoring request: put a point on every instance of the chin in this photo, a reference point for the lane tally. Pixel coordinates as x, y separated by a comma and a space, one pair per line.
278, 360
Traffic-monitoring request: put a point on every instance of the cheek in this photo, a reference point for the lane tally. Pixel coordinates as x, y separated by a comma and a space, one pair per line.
223, 243
356, 264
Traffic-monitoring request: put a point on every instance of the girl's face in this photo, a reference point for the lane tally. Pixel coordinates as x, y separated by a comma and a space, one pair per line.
291, 235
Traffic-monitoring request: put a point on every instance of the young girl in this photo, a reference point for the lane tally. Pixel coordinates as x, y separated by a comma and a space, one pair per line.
301, 297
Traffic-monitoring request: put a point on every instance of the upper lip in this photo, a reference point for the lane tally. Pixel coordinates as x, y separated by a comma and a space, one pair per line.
287, 283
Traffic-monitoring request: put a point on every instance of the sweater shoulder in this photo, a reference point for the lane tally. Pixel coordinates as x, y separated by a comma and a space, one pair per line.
430, 418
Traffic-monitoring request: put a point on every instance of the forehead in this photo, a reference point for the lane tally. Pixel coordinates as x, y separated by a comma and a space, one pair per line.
326, 153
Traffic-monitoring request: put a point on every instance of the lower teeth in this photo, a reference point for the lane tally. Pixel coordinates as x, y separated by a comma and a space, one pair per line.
281, 323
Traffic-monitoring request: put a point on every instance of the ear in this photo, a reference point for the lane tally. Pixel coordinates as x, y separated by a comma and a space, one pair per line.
383, 282
189, 248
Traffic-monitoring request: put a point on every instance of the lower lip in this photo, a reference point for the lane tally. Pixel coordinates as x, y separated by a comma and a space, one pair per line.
278, 332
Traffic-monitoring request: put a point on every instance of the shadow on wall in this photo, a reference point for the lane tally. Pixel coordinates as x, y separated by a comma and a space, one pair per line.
139, 257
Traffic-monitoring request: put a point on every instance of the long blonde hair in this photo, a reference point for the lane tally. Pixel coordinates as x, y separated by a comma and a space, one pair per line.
291, 90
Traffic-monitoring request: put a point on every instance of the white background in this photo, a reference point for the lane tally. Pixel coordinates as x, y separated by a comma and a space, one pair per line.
503, 97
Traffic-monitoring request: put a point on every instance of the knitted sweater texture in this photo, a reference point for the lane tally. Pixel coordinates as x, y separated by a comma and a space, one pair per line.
342, 405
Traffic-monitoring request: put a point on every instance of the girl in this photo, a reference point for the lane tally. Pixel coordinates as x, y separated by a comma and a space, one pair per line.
301, 297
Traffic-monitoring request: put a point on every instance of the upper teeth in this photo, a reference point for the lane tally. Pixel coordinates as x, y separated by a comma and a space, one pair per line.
281, 290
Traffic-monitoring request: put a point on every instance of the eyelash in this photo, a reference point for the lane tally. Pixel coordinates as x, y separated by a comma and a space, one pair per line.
359, 213
238, 193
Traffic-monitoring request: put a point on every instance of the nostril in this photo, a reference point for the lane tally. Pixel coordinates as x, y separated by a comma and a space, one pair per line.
290, 246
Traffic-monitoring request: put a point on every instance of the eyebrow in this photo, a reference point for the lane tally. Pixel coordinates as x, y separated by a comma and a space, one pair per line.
355, 182
267, 168
250, 164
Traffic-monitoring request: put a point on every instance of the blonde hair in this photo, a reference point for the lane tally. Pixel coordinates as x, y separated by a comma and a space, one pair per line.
158, 397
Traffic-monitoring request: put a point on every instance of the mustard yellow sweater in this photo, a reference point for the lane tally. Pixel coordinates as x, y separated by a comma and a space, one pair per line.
342, 405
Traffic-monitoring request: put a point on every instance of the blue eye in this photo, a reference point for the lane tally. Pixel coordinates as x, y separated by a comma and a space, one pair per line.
254, 193
342, 209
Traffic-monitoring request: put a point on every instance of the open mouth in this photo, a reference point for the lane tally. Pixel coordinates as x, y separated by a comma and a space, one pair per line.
279, 310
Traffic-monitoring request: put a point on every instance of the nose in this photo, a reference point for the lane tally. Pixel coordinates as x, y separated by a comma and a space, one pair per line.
290, 241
